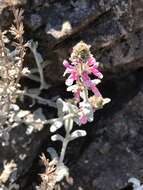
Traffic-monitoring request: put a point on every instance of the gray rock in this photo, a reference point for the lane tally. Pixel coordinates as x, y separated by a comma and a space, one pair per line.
116, 153
18, 151
35, 21
113, 28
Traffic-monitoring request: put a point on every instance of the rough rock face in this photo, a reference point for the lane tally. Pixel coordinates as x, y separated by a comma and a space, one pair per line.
18, 151
116, 153
114, 29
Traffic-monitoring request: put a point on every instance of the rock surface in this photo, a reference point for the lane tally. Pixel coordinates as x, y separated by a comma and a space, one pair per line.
113, 28
18, 150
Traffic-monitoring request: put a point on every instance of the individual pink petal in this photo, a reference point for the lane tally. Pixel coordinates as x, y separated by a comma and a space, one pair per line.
83, 119
87, 81
91, 61
86, 78
95, 90
74, 75
96, 72
69, 68
66, 63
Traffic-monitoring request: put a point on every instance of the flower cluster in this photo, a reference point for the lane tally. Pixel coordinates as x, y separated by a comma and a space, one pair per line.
81, 67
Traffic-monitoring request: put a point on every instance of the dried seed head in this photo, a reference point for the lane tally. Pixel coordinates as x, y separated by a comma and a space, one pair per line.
81, 51
49, 177
96, 102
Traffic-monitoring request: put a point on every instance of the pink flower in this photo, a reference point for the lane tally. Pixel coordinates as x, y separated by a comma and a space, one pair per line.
81, 65
69, 68
91, 61
83, 119
72, 71
93, 67
87, 81
95, 72
76, 74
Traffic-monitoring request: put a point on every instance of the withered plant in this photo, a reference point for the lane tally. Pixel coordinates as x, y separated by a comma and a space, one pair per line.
11, 66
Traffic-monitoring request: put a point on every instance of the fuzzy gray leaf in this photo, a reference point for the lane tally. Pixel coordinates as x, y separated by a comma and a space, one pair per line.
60, 107
56, 125
77, 134
68, 124
53, 153
57, 137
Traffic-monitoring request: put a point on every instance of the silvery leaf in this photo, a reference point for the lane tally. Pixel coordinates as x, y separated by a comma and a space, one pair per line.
60, 107
14, 107
39, 57
68, 124
38, 114
29, 130
22, 113
34, 91
106, 101
77, 134
71, 88
96, 81
53, 153
90, 116
136, 183
140, 188
14, 186
61, 172
33, 46
65, 107
14, 53
56, 125
73, 108
57, 137
88, 110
